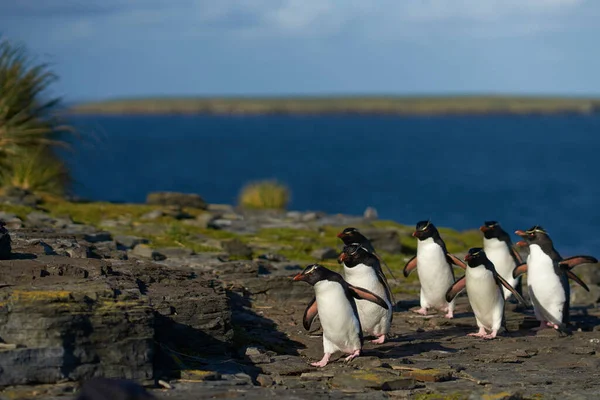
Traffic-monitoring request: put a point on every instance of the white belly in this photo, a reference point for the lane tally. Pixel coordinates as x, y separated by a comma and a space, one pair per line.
545, 288
374, 319
485, 297
435, 275
499, 254
340, 327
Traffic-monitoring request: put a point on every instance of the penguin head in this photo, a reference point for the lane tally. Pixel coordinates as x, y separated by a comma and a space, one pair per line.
534, 235
313, 274
353, 254
350, 235
424, 230
475, 257
492, 229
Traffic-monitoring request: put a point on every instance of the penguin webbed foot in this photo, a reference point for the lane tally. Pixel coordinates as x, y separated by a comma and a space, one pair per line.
422, 311
380, 339
352, 356
491, 335
480, 333
449, 315
323, 361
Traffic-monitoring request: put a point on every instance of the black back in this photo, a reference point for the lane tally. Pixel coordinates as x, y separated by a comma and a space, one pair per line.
352, 235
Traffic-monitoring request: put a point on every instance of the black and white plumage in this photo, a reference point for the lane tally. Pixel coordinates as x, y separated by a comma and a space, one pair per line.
434, 267
548, 277
362, 269
484, 289
352, 235
335, 304
500, 250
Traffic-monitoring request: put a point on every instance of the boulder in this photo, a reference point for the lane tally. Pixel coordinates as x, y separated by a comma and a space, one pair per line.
143, 250
236, 248
176, 199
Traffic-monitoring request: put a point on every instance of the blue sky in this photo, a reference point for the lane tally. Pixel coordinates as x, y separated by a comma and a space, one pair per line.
129, 48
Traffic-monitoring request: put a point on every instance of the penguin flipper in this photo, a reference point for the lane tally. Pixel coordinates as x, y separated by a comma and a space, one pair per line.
574, 261
364, 294
310, 313
452, 259
577, 279
519, 270
410, 266
515, 254
508, 286
456, 288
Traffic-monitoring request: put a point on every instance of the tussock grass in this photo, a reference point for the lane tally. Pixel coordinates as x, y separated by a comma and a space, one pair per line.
267, 194
29, 126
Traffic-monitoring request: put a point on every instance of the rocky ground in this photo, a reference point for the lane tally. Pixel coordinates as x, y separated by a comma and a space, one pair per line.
216, 315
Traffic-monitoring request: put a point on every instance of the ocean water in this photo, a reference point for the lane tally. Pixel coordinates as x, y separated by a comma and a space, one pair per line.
456, 170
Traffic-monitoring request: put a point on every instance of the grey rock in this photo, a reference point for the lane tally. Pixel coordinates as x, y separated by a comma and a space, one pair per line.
256, 355
79, 251
325, 253
38, 217
310, 216
98, 237
176, 199
237, 248
175, 252
286, 365
113, 389
203, 220
387, 240
129, 242
152, 215
143, 250
370, 213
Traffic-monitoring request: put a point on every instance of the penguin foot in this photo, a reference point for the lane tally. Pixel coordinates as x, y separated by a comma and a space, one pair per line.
379, 340
449, 315
481, 333
543, 325
491, 335
422, 311
352, 356
323, 361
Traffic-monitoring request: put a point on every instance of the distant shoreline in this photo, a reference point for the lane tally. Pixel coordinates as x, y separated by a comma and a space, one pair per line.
455, 105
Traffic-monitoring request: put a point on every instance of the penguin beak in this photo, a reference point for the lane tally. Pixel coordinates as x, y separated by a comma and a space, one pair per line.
342, 258
299, 277
484, 228
340, 235
415, 234
468, 257
521, 243
520, 233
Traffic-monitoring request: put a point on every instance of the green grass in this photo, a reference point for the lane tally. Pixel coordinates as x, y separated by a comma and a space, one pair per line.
349, 104
264, 195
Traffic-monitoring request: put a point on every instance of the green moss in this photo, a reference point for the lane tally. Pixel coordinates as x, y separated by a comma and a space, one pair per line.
19, 211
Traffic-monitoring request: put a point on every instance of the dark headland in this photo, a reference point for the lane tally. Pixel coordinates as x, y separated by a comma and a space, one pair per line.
367, 105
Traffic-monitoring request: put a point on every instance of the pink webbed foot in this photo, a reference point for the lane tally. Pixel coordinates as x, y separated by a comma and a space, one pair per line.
543, 325
422, 311
491, 335
355, 354
449, 315
323, 361
480, 333
380, 339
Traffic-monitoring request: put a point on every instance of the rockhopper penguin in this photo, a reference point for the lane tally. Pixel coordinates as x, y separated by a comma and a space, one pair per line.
335, 304
434, 267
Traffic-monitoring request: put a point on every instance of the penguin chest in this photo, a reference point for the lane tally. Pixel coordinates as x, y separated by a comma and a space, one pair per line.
545, 286
336, 314
498, 253
435, 275
373, 318
485, 297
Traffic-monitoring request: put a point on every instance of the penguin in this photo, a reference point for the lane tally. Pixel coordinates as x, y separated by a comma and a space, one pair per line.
434, 267
351, 235
335, 304
500, 250
485, 293
361, 268
548, 278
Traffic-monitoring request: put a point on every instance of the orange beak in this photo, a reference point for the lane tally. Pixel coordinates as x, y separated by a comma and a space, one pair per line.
484, 228
340, 235
299, 277
468, 257
520, 233
342, 257
521, 243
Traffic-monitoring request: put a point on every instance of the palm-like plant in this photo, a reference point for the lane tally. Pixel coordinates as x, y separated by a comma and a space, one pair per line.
28, 120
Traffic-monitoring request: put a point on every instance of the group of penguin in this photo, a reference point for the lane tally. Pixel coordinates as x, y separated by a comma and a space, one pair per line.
361, 301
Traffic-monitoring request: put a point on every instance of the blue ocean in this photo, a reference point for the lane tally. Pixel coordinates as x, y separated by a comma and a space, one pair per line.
456, 170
